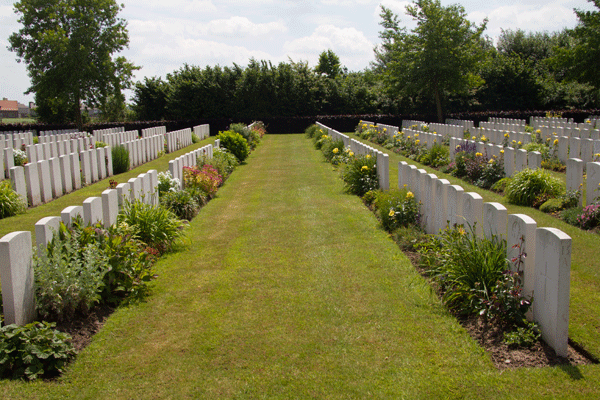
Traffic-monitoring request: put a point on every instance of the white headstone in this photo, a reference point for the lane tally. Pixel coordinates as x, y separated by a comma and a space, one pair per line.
16, 276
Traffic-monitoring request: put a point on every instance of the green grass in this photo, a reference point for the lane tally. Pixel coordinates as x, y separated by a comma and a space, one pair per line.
286, 289
17, 121
584, 325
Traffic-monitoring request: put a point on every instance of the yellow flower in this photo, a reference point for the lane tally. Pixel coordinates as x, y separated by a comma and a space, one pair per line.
473, 138
407, 185
364, 168
483, 138
555, 142
408, 137
385, 129
519, 143
514, 141
547, 139
368, 156
323, 137
491, 161
506, 135
401, 133
410, 195
351, 154
587, 121
461, 230
457, 146
538, 131
478, 154
501, 151
434, 132
597, 155
335, 151
392, 213
417, 142
416, 135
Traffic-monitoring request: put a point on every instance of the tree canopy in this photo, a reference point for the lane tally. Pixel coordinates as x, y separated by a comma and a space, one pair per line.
436, 59
68, 46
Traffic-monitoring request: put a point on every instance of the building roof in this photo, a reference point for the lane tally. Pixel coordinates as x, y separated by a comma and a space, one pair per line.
9, 105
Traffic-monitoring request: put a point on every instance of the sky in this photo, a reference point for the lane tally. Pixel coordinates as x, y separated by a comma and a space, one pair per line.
166, 34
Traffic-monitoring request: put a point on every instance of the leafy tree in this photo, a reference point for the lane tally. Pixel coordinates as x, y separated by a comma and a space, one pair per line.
436, 59
329, 64
582, 60
150, 99
68, 47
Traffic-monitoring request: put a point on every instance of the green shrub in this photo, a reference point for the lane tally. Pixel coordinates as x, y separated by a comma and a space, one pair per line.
206, 179
313, 131
360, 175
235, 143
19, 157
570, 215
552, 205
181, 203
396, 208
120, 159
33, 351
100, 144
523, 336
69, 277
156, 226
437, 156
500, 186
528, 185
332, 148
195, 138
321, 141
223, 161
10, 202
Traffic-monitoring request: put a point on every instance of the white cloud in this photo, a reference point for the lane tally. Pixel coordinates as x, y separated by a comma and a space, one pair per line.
349, 44
239, 27
173, 7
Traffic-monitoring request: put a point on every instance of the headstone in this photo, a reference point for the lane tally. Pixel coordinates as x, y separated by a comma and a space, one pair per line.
16, 276
563, 149
86, 167
534, 160
101, 159
520, 160
123, 194
55, 177
44, 179
575, 176
70, 214
17, 178
552, 287
521, 230
509, 161
593, 182
33, 184
429, 198
92, 210
75, 170
472, 211
45, 229
454, 206
574, 147
135, 186
66, 175
494, 220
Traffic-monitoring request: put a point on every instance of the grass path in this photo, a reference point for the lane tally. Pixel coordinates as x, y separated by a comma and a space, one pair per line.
287, 289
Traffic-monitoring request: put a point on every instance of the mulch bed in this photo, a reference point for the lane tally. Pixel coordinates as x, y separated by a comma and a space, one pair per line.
83, 329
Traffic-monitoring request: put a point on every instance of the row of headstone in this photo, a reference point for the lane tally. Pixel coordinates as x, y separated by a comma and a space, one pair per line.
117, 138
62, 137
57, 132
203, 131
188, 160
16, 273
44, 180
153, 131
425, 138
575, 173
98, 134
15, 140
445, 130
465, 124
143, 150
383, 160
548, 262
178, 139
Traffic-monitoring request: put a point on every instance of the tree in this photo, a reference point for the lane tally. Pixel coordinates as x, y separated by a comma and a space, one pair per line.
582, 59
68, 47
329, 64
436, 59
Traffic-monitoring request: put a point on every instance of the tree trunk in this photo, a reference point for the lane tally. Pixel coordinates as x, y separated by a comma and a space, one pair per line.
438, 105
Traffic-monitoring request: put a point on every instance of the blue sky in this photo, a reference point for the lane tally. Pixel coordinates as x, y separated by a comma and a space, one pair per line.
165, 34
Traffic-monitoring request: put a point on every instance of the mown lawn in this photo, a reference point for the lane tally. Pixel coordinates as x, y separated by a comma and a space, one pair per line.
584, 324
287, 288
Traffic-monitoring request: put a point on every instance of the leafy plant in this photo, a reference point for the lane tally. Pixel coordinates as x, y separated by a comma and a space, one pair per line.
181, 203
166, 183
195, 138
396, 208
33, 351
360, 175
120, 157
223, 161
100, 144
10, 202
571, 215
206, 179
529, 184
19, 157
436, 156
332, 148
312, 131
156, 226
523, 336
589, 217
235, 143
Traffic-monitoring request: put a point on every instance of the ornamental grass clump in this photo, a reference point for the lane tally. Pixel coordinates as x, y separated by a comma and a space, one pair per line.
10, 202
182, 203
360, 175
528, 185
120, 159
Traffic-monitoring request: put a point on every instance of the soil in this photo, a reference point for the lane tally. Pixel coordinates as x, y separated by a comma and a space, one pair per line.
490, 337
83, 329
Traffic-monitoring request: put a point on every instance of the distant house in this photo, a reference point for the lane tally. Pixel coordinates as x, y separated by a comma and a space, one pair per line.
27, 111
9, 108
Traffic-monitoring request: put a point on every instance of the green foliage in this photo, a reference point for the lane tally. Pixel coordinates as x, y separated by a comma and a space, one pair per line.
396, 208
206, 179
552, 206
69, 277
332, 149
195, 138
523, 336
235, 143
571, 215
181, 203
589, 217
222, 160
19, 157
120, 159
312, 131
150, 99
436, 58
33, 351
360, 175
10, 202
527, 185
436, 156
156, 226
166, 183
251, 137
100, 144
321, 141
329, 64
68, 48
